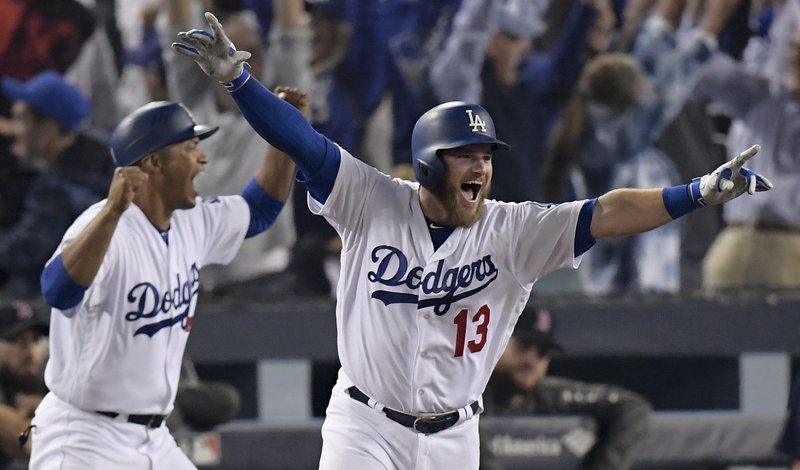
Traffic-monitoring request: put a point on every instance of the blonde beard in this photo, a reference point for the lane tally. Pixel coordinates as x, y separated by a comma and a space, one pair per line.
448, 197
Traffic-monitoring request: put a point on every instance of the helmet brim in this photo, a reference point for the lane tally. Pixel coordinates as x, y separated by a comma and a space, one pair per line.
202, 131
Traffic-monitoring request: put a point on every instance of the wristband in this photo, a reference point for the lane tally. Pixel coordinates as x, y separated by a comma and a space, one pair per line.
680, 200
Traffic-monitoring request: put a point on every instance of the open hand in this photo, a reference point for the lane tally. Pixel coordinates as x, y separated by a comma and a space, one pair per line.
213, 52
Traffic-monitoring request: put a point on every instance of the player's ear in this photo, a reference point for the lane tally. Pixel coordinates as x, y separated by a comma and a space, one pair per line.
151, 163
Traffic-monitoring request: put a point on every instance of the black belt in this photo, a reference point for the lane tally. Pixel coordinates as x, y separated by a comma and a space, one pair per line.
151, 421
424, 424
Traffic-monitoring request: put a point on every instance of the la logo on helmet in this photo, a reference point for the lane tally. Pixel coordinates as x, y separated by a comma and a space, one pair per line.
475, 122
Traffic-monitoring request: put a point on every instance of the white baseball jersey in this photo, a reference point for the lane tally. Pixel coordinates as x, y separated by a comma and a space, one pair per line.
421, 330
120, 348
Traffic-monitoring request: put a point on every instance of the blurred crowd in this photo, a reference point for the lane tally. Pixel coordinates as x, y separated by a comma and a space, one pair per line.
591, 95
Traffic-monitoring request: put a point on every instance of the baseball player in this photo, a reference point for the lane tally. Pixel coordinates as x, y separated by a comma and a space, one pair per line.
433, 275
123, 286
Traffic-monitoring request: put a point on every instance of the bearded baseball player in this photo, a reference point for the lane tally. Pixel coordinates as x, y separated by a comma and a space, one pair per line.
433, 275
123, 286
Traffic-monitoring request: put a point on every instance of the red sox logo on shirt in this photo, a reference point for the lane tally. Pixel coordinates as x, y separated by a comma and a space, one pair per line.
149, 303
456, 283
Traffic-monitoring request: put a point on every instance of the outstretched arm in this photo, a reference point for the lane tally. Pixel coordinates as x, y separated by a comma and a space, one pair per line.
268, 191
630, 211
278, 122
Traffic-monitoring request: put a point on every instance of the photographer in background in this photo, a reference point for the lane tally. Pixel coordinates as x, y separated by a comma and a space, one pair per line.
520, 386
22, 358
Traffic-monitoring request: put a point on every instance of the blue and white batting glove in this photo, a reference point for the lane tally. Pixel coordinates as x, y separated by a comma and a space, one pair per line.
213, 52
730, 181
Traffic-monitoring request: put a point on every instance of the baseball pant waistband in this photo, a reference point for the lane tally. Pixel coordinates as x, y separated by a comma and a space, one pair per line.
428, 424
151, 421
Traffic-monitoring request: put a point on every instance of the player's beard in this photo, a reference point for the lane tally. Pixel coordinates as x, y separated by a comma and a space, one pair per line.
457, 215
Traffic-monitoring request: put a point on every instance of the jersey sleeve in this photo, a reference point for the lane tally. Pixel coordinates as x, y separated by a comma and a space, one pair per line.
223, 223
78, 226
545, 239
354, 185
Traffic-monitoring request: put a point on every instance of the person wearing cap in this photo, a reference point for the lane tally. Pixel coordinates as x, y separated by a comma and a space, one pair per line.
22, 356
520, 385
124, 284
48, 117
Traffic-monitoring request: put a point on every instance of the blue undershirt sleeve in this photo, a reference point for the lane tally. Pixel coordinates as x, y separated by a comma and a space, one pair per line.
58, 289
285, 128
583, 231
264, 209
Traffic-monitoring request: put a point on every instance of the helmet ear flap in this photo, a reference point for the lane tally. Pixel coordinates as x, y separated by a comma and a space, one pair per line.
430, 169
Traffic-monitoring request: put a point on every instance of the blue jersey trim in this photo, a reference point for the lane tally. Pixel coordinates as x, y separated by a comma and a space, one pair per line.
583, 230
264, 209
58, 288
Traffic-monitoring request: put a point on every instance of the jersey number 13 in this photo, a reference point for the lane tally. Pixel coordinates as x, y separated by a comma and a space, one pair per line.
480, 323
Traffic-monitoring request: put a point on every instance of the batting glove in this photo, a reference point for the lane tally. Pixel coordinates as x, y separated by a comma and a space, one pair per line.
213, 52
730, 181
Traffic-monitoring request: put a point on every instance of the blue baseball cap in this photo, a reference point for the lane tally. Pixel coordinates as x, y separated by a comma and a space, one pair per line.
51, 95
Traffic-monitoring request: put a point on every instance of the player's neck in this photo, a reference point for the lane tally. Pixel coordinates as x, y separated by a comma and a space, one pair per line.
154, 208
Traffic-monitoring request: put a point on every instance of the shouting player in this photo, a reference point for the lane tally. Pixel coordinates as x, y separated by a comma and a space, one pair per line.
433, 275
124, 285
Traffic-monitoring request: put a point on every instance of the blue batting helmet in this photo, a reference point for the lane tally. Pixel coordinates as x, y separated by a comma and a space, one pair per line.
447, 126
151, 127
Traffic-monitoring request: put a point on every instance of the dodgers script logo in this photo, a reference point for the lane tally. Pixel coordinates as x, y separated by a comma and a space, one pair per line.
456, 283
149, 302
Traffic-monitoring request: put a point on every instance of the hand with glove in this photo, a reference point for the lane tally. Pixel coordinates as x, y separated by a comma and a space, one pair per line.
213, 52
730, 181
727, 182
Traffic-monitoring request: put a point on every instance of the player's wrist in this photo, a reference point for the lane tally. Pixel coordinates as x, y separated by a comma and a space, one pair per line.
682, 199
237, 82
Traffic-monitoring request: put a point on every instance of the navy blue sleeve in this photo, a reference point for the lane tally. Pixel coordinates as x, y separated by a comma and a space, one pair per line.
285, 128
58, 289
264, 209
583, 231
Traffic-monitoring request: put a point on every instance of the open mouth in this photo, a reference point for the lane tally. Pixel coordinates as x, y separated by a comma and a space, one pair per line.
470, 191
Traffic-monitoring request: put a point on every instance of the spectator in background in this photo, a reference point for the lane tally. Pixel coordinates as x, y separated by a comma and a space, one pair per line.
237, 148
22, 358
765, 235
605, 139
520, 386
73, 172
148, 56
394, 44
37, 35
489, 59
335, 113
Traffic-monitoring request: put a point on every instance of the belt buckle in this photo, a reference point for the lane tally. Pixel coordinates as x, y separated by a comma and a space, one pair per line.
430, 420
